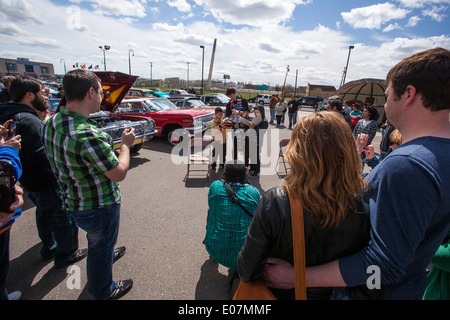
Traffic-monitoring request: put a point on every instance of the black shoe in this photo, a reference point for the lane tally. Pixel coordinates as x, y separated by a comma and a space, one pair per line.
77, 256
118, 253
122, 288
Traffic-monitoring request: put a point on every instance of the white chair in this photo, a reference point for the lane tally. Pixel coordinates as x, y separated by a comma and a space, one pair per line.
200, 157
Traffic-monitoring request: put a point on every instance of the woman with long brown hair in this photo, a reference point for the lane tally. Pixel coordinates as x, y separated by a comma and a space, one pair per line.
326, 176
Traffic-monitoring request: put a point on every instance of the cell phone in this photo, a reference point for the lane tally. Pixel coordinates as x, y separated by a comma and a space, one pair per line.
11, 130
7, 186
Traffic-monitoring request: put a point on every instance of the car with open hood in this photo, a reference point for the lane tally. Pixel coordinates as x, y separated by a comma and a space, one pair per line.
115, 86
168, 117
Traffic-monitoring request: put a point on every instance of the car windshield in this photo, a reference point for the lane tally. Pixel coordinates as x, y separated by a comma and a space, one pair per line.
159, 104
223, 98
195, 103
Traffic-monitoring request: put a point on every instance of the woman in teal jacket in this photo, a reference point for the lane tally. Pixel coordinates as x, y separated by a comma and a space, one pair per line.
227, 223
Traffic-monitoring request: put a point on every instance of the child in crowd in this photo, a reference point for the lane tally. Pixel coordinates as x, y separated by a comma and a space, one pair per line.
219, 135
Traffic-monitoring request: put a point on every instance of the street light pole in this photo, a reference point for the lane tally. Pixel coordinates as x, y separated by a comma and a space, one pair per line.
151, 74
346, 67
62, 60
203, 62
285, 77
129, 60
104, 49
187, 86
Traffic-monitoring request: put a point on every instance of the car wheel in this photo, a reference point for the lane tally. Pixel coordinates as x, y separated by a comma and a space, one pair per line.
174, 138
261, 102
135, 148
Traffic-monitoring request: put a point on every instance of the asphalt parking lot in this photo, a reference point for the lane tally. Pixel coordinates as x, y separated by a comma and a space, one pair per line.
163, 223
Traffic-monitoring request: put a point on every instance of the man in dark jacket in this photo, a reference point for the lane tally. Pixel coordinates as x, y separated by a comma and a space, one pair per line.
56, 229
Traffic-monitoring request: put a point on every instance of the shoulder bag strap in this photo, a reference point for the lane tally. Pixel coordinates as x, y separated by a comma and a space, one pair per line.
298, 233
234, 198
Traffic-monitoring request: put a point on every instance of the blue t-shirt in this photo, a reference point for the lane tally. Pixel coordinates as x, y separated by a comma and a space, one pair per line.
409, 199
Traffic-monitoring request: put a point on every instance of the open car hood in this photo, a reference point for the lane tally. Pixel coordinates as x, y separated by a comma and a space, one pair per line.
115, 86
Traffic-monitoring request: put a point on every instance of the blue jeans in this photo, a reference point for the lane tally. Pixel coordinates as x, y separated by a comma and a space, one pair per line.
272, 115
102, 228
292, 119
4, 263
56, 229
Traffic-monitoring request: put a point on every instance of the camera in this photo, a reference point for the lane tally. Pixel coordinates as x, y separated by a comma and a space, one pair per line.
11, 130
7, 186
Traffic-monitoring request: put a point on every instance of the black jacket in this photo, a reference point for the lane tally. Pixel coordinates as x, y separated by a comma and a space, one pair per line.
37, 174
270, 235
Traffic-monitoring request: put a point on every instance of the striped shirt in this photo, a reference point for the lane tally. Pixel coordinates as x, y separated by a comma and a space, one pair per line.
80, 154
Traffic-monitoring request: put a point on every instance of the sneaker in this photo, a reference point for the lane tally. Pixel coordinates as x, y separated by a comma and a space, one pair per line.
254, 174
16, 295
118, 253
122, 288
77, 256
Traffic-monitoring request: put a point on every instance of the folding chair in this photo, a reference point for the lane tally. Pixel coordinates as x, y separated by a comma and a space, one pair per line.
283, 143
200, 157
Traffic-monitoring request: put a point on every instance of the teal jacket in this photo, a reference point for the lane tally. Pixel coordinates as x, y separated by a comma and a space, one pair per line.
438, 279
227, 223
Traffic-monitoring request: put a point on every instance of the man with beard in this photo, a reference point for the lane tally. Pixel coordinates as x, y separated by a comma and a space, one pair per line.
56, 228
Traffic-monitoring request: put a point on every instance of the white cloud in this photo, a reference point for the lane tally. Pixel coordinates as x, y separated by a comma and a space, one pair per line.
421, 3
392, 26
129, 8
22, 10
12, 29
413, 21
181, 5
251, 12
435, 13
373, 17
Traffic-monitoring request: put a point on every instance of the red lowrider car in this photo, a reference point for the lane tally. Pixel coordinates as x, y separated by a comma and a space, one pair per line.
167, 116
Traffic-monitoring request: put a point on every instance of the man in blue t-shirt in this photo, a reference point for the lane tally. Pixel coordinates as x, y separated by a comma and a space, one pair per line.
408, 192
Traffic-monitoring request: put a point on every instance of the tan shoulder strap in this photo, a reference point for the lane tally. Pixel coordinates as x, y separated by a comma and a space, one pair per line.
298, 233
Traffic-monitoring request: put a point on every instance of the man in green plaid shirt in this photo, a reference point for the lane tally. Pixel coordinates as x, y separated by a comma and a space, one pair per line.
88, 171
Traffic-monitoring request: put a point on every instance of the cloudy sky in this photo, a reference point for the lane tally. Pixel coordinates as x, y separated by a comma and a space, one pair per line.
256, 39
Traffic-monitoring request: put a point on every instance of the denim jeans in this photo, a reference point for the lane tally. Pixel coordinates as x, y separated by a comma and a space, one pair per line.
102, 228
292, 119
56, 229
4, 263
272, 115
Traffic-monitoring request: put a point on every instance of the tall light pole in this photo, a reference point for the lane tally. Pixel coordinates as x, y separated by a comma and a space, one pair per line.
285, 77
62, 61
187, 85
104, 49
151, 74
346, 67
203, 62
129, 60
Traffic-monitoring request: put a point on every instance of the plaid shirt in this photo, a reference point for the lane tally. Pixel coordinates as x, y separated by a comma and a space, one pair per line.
80, 154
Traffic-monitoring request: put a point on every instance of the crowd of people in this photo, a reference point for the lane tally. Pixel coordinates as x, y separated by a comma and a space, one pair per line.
396, 219
388, 227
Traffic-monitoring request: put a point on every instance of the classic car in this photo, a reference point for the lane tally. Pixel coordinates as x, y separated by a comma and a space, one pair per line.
215, 99
115, 86
167, 116
135, 93
189, 103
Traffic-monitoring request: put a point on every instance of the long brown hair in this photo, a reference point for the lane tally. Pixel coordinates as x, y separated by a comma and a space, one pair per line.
325, 166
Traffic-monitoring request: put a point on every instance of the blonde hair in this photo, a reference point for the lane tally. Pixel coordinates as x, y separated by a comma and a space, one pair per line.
396, 137
325, 167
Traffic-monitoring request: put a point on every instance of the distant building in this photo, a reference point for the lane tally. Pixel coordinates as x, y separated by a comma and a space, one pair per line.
321, 91
23, 66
